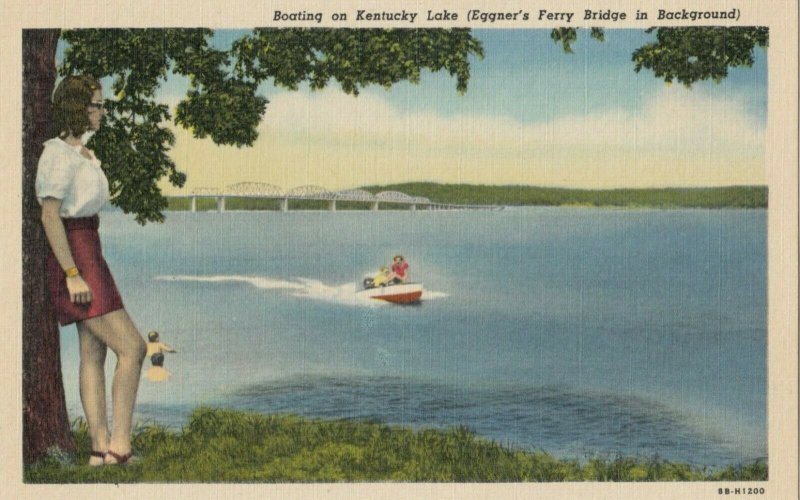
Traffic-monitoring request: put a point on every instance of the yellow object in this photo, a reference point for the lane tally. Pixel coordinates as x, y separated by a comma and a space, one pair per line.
157, 374
381, 278
72, 272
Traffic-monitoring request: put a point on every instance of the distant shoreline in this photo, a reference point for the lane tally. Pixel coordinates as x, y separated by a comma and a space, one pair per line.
517, 195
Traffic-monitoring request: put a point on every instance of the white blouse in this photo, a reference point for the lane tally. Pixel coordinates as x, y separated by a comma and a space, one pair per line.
65, 174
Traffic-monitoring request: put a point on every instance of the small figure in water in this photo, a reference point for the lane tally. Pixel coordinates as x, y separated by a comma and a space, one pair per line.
155, 351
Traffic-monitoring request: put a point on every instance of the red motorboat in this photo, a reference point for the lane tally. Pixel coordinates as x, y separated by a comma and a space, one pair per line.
401, 293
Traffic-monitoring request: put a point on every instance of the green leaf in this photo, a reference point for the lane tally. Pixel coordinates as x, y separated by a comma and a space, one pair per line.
689, 55
222, 101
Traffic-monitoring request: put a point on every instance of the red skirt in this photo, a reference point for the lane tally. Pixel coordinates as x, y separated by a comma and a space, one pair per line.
84, 243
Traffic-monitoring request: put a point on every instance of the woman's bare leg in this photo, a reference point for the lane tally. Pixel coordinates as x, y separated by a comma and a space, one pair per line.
92, 378
117, 331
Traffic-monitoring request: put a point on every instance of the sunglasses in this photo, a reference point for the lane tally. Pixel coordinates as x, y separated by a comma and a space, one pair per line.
96, 105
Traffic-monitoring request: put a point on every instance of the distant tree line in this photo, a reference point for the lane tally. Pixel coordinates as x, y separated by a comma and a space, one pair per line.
468, 194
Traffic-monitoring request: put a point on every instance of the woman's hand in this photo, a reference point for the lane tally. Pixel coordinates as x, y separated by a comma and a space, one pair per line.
79, 292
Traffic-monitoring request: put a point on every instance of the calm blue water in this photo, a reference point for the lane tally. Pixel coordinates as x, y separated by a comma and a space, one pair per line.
576, 331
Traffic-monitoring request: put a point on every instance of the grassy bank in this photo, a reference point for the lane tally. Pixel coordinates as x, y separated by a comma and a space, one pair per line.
231, 446
468, 194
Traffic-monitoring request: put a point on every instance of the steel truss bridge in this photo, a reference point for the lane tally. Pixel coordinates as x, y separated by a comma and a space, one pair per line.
259, 190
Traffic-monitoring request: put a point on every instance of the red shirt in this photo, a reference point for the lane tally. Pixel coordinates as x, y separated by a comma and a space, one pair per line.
400, 268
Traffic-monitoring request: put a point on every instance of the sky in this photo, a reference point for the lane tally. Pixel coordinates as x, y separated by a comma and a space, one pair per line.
532, 115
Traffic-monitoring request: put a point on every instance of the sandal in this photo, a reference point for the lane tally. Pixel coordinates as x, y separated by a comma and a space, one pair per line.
97, 454
127, 458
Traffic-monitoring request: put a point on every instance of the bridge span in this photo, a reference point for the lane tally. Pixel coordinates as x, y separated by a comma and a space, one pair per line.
256, 190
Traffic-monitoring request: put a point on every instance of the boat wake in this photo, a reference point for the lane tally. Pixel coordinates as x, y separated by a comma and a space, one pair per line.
304, 288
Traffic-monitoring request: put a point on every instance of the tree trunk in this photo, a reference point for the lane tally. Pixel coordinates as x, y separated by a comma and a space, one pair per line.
45, 420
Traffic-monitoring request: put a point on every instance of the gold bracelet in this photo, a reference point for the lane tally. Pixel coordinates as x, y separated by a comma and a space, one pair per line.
72, 272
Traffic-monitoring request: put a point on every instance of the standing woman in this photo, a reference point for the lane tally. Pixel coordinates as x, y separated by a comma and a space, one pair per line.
71, 187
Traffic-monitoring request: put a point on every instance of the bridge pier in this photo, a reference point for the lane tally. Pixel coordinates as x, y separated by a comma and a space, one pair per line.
284, 204
413, 208
332, 205
374, 206
194, 203
220, 203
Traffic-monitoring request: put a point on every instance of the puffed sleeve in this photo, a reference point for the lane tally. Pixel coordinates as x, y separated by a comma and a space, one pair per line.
55, 174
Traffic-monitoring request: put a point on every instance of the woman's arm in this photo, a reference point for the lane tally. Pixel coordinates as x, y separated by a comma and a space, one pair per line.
79, 292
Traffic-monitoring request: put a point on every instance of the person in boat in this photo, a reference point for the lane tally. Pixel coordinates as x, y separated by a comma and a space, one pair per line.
382, 278
399, 272
155, 351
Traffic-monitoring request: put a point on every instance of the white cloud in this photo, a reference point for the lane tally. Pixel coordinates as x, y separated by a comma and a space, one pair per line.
679, 137
676, 117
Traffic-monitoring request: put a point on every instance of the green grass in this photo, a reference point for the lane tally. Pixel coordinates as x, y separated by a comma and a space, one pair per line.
469, 194
232, 446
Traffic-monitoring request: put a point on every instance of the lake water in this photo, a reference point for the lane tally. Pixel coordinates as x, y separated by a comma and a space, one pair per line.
581, 332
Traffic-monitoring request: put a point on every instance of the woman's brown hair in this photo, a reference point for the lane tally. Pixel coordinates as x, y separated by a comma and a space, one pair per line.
70, 100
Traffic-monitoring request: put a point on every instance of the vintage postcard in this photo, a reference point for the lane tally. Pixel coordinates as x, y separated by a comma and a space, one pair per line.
401, 249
